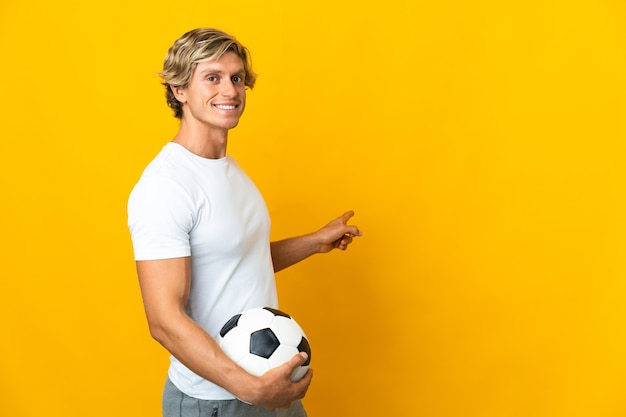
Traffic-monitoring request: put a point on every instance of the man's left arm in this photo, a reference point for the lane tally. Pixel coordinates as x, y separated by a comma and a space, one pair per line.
337, 234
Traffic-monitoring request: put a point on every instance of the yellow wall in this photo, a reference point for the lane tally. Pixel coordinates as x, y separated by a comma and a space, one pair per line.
480, 142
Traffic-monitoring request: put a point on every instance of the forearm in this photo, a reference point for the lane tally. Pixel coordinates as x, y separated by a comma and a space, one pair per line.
290, 251
198, 351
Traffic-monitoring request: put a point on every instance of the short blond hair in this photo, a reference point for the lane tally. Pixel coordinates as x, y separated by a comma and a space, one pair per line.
193, 47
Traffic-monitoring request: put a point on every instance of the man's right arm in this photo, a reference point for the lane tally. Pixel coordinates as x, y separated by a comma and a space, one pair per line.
165, 288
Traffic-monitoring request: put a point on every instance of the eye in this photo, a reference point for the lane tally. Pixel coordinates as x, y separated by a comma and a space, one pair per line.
237, 79
211, 78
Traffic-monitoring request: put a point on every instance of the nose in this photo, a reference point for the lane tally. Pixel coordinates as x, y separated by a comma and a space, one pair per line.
228, 88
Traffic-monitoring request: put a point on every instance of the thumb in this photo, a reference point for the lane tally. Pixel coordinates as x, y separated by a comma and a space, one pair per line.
295, 362
297, 372
298, 359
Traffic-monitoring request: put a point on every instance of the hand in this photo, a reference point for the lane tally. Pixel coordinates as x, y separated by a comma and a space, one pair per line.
276, 389
337, 234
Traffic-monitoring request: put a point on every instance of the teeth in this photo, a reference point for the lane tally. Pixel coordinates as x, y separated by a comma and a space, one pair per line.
225, 107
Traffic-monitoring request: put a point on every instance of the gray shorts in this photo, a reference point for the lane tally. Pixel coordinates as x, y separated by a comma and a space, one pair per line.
178, 404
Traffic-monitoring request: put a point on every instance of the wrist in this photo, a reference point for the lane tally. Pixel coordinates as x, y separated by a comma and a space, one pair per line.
313, 243
247, 388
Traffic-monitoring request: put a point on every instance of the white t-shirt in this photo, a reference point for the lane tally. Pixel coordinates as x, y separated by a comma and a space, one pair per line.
186, 205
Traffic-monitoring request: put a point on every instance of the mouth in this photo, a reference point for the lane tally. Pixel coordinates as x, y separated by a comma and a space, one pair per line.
226, 106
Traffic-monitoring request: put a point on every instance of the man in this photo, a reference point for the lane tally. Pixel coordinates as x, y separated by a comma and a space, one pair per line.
200, 232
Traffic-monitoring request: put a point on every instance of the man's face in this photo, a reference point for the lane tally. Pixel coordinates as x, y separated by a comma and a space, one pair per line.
216, 94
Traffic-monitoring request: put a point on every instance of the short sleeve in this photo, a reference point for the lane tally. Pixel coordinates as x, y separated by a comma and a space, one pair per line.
160, 218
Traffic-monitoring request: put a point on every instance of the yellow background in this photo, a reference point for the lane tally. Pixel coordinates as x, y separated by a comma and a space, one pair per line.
480, 143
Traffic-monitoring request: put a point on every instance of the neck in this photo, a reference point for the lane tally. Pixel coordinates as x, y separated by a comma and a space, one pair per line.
207, 143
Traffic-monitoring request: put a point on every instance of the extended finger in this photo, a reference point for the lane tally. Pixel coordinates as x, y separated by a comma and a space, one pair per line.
346, 216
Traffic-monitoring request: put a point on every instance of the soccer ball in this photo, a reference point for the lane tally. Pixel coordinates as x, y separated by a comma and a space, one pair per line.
263, 338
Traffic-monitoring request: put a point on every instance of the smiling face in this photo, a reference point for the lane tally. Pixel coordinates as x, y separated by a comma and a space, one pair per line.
215, 98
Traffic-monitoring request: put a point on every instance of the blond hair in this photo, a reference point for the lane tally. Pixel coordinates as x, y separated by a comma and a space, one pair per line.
193, 47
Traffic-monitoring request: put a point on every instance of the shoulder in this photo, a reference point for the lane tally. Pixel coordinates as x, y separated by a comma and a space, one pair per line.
169, 164
167, 173
164, 185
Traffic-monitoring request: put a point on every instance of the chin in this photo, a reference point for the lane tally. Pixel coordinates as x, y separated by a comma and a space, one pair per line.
232, 125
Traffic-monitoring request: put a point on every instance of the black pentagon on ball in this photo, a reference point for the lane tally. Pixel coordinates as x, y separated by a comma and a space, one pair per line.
277, 312
230, 324
305, 347
263, 343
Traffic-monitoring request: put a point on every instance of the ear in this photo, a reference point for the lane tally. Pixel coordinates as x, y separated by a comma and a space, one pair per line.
179, 93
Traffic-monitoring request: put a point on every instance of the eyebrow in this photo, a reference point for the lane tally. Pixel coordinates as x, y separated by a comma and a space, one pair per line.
210, 70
